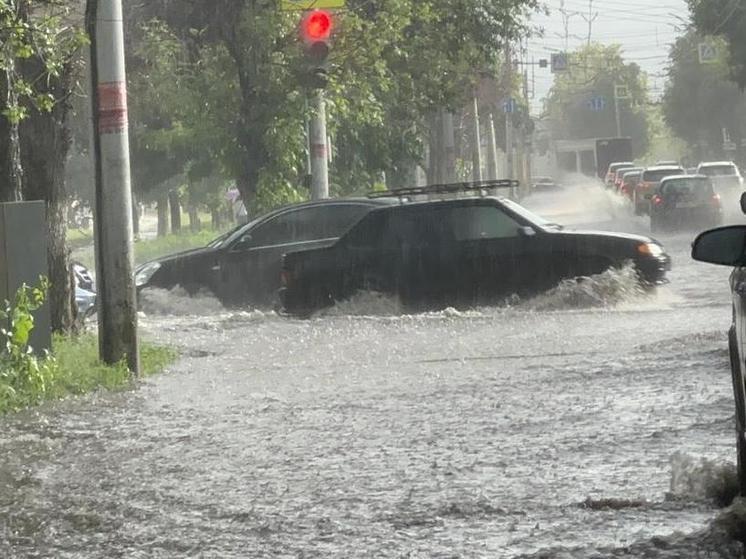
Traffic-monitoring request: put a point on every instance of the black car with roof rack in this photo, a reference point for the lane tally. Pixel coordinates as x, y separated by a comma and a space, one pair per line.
457, 245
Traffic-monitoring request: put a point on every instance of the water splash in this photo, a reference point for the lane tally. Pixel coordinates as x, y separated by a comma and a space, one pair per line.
703, 479
178, 302
606, 290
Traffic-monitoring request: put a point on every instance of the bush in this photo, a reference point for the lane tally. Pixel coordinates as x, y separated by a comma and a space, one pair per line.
74, 368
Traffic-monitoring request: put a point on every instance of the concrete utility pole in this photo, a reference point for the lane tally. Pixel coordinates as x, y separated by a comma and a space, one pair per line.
477, 147
449, 148
492, 167
617, 114
508, 89
117, 307
319, 148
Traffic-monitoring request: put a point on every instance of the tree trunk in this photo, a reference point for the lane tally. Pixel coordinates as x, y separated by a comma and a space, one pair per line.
45, 145
217, 219
11, 168
162, 208
195, 226
175, 205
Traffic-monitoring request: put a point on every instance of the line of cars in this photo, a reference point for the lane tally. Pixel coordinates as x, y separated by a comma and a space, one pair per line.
675, 197
448, 245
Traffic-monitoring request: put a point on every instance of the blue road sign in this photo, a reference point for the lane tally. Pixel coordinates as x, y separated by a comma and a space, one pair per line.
597, 103
510, 106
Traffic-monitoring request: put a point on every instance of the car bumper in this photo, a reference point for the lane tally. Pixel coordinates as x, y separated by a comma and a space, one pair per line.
653, 270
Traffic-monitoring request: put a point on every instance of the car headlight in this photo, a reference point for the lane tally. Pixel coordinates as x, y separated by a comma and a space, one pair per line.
144, 274
650, 249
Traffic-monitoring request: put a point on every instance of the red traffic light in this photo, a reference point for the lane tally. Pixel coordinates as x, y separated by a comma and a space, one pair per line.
317, 26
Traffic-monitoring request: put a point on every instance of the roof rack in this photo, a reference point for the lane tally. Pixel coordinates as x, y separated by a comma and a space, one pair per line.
476, 186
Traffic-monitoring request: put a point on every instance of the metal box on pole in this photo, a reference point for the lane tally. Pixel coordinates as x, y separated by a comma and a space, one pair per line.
23, 259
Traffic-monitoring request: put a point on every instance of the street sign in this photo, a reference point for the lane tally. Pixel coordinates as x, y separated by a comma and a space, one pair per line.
559, 62
510, 106
597, 103
708, 53
304, 5
621, 92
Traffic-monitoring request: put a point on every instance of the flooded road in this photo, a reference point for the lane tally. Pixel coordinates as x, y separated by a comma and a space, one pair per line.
593, 421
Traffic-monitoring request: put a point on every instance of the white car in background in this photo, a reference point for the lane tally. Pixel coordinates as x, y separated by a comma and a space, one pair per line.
724, 174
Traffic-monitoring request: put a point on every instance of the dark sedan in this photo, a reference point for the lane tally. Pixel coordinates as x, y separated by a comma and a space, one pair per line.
458, 252
243, 266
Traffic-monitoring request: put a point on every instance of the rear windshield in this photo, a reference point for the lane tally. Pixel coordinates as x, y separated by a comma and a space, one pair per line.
659, 174
697, 187
719, 170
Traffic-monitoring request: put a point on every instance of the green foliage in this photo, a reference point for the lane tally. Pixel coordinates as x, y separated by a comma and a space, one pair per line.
21, 371
74, 368
700, 101
217, 88
725, 18
594, 71
34, 29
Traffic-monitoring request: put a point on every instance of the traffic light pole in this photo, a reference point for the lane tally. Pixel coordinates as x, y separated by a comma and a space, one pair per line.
117, 308
319, 148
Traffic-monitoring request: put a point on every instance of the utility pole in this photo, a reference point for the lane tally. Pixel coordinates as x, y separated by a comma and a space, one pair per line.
449, 148
492, 170
117, 307
319, 148
508, 89
617, 113
477, 147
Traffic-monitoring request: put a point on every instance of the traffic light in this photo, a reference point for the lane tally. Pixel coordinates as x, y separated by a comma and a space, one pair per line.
316, 31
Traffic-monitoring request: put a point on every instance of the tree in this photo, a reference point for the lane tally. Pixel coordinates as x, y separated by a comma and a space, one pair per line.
593, 73
725, 18
237, 68
38, 55
700, 101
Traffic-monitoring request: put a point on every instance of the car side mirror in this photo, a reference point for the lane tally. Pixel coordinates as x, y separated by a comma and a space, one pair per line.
526, 232
725, 246
743, 202
243, 243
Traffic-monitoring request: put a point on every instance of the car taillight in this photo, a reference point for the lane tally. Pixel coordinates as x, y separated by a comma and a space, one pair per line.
716, 200
657, 200
625, 190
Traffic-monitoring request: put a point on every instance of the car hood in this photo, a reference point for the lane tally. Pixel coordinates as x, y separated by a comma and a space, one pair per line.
612, 236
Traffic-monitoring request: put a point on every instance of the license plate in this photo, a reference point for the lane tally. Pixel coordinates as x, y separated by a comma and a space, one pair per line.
687, 205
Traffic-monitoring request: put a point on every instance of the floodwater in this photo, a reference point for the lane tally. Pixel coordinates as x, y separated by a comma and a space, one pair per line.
593, 421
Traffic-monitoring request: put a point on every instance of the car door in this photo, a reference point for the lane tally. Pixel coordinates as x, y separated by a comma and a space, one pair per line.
495, 257
249, 270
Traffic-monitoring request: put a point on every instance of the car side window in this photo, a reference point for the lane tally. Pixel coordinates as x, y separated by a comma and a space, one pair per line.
307, 224
471, 223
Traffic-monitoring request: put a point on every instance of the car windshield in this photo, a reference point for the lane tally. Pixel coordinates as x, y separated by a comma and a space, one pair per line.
718, 170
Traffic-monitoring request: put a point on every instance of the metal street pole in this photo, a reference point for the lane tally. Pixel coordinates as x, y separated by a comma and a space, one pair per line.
477, 147
319, 149
117, 306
